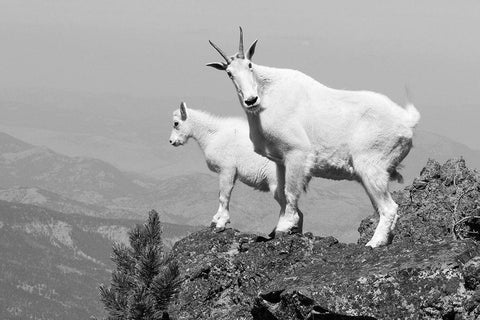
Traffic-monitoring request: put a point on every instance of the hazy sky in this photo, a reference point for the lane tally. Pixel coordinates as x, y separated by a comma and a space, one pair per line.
158, 49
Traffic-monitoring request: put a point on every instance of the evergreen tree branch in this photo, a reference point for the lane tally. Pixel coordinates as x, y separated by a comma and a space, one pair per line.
145, 279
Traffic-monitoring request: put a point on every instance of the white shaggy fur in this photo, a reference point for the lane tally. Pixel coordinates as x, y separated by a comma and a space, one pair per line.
228, 152
310, 130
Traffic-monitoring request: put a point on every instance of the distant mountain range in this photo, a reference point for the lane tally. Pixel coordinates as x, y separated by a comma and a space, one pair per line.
40, 176
83, 179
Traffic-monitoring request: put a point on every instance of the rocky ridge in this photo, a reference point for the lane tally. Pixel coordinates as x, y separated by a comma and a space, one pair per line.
430, 271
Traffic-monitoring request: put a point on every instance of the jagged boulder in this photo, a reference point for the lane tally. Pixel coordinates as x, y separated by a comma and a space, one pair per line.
443, 202
428, 272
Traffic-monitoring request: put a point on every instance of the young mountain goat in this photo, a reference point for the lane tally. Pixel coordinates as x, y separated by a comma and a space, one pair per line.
310, 130
228, 152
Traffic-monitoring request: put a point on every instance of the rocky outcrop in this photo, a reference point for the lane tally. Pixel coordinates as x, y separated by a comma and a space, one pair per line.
429, 271
443, 202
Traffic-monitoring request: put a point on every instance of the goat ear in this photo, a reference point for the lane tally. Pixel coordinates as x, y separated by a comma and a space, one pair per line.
217, 65
251, 50
183, 111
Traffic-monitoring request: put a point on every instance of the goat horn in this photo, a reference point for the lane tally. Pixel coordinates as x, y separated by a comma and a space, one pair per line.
220, 51
241, 54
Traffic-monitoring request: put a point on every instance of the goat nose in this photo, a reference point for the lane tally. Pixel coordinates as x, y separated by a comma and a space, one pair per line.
251, 101
171, 142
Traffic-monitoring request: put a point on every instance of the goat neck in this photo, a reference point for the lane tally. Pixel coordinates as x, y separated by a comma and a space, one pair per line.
204, 126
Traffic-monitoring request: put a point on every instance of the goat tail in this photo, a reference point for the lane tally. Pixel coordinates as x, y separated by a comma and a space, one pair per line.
413, 116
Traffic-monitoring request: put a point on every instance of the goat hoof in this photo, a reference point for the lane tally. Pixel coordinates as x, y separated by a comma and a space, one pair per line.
375, 244
280, 234
371, 245
213, 225
295, 230
271, 235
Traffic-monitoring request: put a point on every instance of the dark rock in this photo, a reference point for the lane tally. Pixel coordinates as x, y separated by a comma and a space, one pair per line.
294, 305
428, 272
472, 304
471, 273
282, 305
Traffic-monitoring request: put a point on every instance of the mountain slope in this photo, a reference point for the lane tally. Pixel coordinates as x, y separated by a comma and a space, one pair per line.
62, 174
9, 144
95, 183
52, 263
50, 200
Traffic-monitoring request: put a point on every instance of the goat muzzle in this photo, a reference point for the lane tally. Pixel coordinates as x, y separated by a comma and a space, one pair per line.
251, 101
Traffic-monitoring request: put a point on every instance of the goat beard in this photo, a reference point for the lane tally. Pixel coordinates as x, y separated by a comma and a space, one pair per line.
254, 110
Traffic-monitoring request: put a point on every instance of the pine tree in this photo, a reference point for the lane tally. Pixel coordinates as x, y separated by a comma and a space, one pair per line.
145, 278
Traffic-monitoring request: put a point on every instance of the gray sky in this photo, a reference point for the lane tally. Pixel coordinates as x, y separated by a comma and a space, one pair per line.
158, 49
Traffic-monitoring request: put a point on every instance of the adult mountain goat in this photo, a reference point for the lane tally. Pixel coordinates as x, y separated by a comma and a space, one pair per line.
228, 152
310, 130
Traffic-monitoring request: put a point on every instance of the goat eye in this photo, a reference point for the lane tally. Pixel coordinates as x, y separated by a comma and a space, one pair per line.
229, 74
175, 124
250, 65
